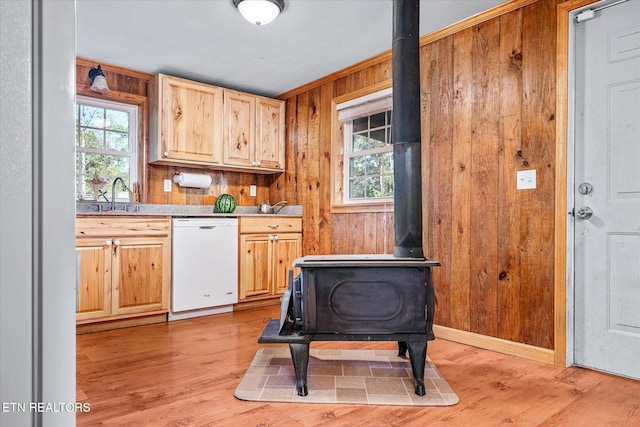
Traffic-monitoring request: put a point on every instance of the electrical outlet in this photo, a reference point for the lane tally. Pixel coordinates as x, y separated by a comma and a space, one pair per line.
167, 186
252, 190
526, 180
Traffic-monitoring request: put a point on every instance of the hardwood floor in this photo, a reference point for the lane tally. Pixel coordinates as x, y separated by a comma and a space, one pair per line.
184, 373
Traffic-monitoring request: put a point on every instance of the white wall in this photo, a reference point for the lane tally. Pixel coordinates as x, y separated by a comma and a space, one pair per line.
37, 211
15, 207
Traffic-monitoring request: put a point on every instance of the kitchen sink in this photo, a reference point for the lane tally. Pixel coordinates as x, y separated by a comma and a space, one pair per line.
121, 208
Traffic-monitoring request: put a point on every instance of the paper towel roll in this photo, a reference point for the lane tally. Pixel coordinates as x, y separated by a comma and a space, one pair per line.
195, 180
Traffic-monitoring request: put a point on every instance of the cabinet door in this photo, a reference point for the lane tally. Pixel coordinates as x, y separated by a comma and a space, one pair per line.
239, 128
93, 279
270, 133
191, 125
288, 247
255, 265
141, 275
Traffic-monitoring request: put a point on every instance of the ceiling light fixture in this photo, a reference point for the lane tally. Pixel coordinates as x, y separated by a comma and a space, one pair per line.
98, 80
259, 12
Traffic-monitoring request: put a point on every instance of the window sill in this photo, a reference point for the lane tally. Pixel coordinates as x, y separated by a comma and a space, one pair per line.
362, 208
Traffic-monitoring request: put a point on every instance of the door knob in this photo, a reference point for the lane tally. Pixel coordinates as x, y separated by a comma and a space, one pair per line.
584, 213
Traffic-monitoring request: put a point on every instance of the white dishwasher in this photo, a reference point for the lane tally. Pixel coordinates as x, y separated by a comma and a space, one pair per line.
204, 267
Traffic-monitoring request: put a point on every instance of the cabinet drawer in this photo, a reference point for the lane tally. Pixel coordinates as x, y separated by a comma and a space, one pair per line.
109, 226
270, 225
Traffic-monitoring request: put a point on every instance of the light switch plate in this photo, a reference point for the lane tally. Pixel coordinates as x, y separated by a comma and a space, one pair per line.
526, 180
167, 186
252, 190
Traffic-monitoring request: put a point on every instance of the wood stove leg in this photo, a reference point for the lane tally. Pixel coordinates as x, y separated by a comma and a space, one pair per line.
300, 358
418, 356
402, 349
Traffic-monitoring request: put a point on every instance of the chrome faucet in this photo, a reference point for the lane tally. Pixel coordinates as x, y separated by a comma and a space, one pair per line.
113, 191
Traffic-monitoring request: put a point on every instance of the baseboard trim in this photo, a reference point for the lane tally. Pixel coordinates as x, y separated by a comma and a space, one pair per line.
120, 323
499, 345
248, 305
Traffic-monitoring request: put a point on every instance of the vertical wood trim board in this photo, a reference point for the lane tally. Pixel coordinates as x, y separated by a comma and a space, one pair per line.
561, 208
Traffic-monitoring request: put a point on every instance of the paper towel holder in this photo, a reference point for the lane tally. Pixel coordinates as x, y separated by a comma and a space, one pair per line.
193, 180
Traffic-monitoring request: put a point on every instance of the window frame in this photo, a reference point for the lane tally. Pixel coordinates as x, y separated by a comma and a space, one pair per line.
340, 144
350, 154
134, 139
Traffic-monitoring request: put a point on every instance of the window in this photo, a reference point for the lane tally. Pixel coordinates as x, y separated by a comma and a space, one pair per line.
368, 149
106, 141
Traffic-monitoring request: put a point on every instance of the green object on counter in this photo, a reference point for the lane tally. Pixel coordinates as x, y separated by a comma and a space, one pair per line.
225, 204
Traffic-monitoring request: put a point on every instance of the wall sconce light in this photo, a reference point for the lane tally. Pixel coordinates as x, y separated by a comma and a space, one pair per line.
98, 81
259, 12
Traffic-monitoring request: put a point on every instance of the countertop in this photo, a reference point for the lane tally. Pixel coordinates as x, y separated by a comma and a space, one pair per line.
90, 208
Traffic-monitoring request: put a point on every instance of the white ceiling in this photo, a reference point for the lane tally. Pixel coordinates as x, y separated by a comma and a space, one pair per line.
209, 41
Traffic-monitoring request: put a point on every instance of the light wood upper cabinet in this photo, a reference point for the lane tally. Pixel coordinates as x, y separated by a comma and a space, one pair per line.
253, 132
270, 137
197, 124
124, 267
239, 129
185, 122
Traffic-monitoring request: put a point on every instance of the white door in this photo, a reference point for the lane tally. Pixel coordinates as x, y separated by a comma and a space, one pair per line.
607, 181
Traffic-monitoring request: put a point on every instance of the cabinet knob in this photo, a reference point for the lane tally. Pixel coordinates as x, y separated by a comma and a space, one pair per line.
116, 242
165, 154
258, 163
108, 243
275, 237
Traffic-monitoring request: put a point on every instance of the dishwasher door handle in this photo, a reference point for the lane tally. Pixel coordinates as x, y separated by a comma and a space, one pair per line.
207, 227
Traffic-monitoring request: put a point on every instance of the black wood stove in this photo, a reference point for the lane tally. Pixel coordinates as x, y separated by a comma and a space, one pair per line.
357, 298
373, 297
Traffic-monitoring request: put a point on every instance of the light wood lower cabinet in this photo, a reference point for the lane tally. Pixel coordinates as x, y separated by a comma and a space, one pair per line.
93, 275
123, 267
268, 247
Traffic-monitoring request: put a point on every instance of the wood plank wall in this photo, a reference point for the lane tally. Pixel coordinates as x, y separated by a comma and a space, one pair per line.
488, 101
234, 183
130, 86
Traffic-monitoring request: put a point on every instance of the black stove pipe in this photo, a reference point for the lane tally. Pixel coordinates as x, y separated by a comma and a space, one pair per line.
406, 129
